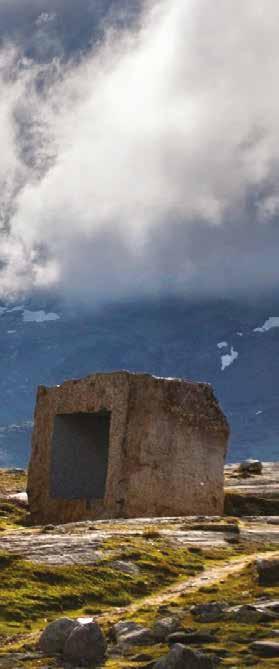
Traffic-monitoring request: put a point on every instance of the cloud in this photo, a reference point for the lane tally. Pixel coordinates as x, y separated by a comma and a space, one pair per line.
150, 164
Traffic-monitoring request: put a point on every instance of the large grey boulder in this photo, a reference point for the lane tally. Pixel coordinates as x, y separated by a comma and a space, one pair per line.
181, 657
268, 571
52, 639
85, 645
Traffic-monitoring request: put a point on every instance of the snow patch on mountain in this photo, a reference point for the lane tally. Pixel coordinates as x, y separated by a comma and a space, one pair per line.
271, 322
18, 308
228, 359
222, 344
29, 315
39, 316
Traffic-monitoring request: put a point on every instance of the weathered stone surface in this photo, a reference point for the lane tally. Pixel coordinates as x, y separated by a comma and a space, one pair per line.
124, 567
268, 571
181, 657
123, 627
85, 645
250, 613
165, 626
255, 495
188, 638
265, 648
131, 634
209, 613
272, 606
52, 639
141, 637
165, 435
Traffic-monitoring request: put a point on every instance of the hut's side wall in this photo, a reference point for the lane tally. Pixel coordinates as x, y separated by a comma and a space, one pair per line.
167, 446
177, 440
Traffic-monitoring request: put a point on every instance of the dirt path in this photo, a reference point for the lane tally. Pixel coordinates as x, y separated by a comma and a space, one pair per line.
207, 577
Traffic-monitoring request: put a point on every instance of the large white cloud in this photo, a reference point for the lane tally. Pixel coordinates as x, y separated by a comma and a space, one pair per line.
151, 164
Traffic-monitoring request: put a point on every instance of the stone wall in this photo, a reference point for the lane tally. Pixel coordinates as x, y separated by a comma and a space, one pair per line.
167, 444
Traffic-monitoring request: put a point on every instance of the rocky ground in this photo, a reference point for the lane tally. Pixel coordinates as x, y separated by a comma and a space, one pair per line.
209, 585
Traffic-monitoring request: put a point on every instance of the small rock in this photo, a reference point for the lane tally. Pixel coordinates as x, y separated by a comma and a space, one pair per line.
48, 528
190, 637
122, 628
85, 645
196, 550
250, 613
162, 628
20, 497
140, 637
272, 606
181, 657
124, 567
250, 467
131, 634
209, 613
265, 648
268, 571
53, 637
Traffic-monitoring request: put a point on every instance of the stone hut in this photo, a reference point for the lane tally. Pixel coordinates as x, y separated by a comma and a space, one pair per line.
126, 445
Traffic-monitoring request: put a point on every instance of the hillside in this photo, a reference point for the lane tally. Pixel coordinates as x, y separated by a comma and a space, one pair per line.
233, 345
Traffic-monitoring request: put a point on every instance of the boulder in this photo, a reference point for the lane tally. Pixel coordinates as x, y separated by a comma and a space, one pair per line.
181, 657
165, 626
268, 571
52, 639
250, 467
85, 645
265, 648
209, 613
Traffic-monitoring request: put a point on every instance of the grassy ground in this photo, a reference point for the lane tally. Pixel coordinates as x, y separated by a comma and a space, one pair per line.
12, 481
33, 594
232, 638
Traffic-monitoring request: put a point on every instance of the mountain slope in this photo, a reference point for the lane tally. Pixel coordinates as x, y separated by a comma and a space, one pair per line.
232, 345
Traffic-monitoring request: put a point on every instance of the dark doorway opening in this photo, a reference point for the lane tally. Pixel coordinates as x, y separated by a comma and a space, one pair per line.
79, 458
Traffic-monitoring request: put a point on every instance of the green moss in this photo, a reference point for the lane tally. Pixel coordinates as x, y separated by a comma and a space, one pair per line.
233, 637
31, 593
12, 516
12, 481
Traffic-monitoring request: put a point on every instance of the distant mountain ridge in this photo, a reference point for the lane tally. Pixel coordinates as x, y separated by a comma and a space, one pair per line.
230, 344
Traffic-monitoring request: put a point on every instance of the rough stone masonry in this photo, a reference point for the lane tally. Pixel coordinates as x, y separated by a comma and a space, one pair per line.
126, 445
